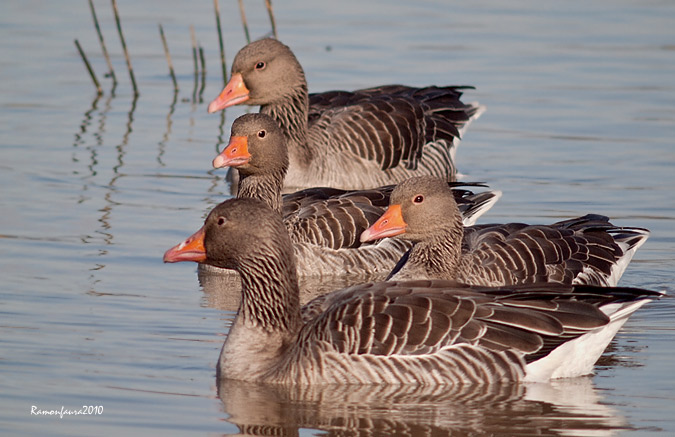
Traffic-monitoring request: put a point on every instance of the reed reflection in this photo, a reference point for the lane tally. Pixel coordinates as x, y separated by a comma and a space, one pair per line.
167, 132
86, 122
91, 142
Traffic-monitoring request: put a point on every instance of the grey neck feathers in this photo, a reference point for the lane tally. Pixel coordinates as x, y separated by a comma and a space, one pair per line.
441, 254
266, 187
292, 115
270, 293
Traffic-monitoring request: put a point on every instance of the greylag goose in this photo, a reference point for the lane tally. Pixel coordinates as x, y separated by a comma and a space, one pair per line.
325, 223
351, 140
417, 332
584, 250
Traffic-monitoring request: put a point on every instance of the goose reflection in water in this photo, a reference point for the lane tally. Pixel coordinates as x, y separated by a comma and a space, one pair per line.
562, 407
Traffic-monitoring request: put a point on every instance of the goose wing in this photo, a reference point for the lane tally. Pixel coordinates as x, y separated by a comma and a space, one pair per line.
423, 317
576, 250
335, 218
391, 124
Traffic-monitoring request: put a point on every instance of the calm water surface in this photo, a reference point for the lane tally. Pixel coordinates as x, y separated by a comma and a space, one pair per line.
581, 111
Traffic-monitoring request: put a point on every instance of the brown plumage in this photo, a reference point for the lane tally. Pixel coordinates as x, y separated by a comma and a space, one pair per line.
344, 139
418, 332
583, 250
329, 220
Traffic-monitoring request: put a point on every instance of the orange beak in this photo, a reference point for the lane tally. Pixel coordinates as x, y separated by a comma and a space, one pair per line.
235, 154
191, 249
391, 223
234, 93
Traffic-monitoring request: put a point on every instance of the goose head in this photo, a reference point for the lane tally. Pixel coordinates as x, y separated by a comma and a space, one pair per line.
238, 234
257, 145
419, 208
263, 72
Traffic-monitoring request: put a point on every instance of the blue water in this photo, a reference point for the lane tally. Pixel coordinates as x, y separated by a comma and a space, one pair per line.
581, 116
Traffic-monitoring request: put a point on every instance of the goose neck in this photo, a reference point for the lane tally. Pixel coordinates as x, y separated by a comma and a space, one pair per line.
439, 255
265, 187
270, 294
292, 115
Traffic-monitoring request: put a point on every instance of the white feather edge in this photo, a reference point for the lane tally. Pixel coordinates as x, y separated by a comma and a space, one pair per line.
577, 357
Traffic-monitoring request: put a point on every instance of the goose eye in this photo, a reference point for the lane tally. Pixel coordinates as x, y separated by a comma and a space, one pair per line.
418, 199
262, 134
221, 221
260, 65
